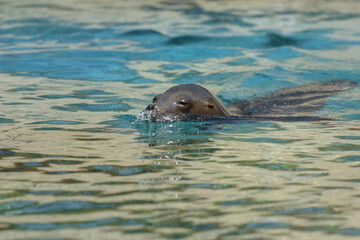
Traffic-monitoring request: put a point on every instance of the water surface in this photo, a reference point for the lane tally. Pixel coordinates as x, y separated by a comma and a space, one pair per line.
73, 77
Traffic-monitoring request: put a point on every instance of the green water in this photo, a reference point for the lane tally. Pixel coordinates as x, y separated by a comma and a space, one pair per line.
74, 75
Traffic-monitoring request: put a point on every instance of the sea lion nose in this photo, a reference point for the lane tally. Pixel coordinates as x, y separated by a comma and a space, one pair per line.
150, 107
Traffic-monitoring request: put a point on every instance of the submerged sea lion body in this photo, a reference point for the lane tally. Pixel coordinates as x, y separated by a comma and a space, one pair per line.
193, 102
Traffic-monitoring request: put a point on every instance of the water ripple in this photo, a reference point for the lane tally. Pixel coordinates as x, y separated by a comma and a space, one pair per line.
65, 206
77, 160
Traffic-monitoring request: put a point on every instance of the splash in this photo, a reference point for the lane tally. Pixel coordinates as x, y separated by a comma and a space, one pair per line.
147, 116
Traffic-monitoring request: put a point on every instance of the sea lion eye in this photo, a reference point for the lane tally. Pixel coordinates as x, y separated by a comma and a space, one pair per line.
182, 102
211, 106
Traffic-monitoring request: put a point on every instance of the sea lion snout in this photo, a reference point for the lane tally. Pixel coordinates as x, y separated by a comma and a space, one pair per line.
156, 109
150, 107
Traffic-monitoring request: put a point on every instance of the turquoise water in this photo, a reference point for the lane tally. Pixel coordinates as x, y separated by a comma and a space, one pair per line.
74, 165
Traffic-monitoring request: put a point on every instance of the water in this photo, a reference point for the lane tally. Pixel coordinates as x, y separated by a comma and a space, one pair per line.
73, 77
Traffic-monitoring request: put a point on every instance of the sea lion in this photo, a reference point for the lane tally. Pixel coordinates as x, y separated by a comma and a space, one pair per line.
188, 99
193, 102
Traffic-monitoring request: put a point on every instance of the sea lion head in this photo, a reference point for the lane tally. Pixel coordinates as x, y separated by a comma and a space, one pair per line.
185, 99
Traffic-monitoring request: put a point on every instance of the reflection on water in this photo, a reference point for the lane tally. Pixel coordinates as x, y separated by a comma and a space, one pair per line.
75, 163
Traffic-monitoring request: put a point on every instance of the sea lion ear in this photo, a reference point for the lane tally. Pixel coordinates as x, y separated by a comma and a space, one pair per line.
210, 106
156, 98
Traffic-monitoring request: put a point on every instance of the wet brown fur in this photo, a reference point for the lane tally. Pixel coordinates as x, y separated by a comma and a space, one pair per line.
299, 101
